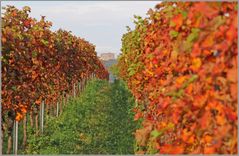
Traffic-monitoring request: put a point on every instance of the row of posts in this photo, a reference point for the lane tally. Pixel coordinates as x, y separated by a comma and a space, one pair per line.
15, 130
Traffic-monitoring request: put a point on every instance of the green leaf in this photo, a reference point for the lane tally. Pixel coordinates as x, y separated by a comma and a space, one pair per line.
34, 54
236, 7
156, 133
171, 125
131, 72
14, 88
184, 13
187, 45
172, 24
150, 56
168, 9
44, 42
173, 33
193, 35
218, 21
190, 80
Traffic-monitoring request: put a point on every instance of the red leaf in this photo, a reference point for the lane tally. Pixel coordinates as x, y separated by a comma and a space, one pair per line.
231, 115
137, 116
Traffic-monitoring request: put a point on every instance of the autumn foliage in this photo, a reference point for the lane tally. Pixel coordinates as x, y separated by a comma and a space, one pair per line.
39, 64
181, 65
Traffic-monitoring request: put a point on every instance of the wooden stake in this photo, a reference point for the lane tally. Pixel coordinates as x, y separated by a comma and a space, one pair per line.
74, 90
24, 132
9, 144
15, 137
42, 116
57, 109
10, 129
36, 123
31, 118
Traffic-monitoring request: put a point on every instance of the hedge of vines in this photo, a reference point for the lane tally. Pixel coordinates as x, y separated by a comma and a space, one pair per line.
39, 64
181, 65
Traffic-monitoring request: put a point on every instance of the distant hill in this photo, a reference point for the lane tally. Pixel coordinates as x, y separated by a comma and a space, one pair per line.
108, 64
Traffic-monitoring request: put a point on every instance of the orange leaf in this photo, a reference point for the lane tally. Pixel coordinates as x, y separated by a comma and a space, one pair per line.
200, 100
196, 64
24, 110
137, 116
171, 149
37, 102
232, 74
34, 75
18, 116
205, 120
209, 150
4, 40
208, 42
231, 34
14, 13
189, 89
207, 138
207, 52
220, 119
233, 90
180, 80
191, 139
205, 9
175, 116
188, 137
178, 20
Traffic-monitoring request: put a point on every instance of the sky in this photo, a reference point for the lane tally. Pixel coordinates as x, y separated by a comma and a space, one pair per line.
100, 22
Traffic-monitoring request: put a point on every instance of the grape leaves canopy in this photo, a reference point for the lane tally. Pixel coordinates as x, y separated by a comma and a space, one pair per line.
38, 64
181, 65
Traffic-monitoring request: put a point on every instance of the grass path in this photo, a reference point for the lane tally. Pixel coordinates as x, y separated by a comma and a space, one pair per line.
99, 121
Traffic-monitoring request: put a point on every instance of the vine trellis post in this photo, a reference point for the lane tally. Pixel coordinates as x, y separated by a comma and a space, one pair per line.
42, 116
15, 137
57, 108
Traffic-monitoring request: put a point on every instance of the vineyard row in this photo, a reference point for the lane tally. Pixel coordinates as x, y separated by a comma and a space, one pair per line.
181, 65
40, 65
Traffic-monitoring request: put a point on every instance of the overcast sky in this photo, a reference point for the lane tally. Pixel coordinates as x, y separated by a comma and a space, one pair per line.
101, 23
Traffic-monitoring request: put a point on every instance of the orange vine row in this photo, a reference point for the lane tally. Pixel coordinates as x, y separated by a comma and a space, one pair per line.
181, 65
39, 64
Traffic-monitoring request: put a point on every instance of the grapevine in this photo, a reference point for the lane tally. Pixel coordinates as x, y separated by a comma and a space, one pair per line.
181, 65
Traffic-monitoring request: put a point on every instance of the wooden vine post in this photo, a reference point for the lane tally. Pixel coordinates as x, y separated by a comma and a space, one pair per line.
24, 131
15, 137
74, 90
57, 108
42, 116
